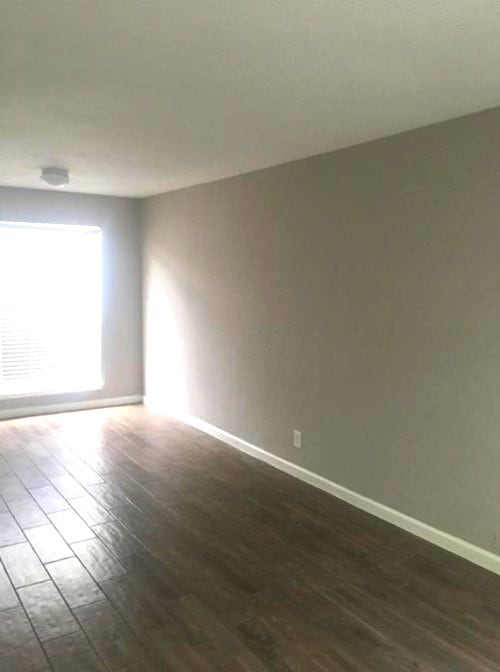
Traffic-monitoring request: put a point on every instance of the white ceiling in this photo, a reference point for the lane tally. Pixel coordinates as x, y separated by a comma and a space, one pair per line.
137, 97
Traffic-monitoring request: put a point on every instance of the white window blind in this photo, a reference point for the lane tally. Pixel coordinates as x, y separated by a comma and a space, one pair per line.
50, 308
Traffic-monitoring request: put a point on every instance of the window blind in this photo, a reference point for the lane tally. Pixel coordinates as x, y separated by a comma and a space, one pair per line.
50, 308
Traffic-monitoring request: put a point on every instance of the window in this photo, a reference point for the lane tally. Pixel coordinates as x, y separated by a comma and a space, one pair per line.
50, 308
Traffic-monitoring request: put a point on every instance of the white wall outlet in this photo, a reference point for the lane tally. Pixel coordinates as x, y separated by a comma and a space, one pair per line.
297, 439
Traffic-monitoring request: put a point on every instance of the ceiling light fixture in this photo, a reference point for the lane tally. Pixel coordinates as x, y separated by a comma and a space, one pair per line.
56, 177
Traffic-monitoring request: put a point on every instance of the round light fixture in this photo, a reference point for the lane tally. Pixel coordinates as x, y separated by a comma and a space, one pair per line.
56, 177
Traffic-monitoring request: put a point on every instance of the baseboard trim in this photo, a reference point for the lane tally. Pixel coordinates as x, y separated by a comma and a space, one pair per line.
460, 547
11, 413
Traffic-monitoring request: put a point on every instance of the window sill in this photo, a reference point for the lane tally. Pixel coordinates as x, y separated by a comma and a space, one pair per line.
53, 393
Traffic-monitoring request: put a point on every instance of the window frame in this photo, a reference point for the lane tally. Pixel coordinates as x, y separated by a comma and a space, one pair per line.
100, 383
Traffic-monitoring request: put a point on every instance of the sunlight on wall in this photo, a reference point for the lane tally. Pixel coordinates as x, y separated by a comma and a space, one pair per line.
165, 358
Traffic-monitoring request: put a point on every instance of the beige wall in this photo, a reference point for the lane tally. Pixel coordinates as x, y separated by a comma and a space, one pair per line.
122, 337
355, 296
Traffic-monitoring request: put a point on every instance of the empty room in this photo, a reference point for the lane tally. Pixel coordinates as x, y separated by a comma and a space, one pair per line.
249, 336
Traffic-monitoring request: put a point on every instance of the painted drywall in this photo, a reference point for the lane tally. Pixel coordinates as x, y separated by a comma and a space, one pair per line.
122, 301
145, 96
354, 296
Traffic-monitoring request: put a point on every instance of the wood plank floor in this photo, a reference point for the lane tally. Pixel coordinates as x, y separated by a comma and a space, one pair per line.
130, 542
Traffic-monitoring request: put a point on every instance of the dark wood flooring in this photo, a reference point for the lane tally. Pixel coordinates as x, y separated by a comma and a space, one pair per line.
129, 542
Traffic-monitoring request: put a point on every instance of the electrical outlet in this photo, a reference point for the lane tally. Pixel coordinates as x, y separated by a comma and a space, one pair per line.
297, 439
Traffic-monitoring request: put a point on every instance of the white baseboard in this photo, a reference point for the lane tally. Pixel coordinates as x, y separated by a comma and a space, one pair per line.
464, 549
10, 413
